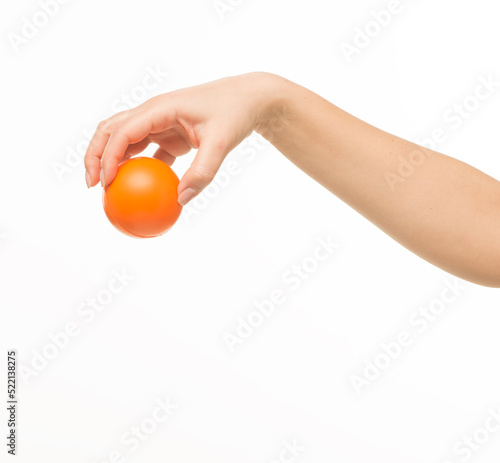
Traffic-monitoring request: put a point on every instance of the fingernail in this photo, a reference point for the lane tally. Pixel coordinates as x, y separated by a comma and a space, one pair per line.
102, 178
187, 195
87, 179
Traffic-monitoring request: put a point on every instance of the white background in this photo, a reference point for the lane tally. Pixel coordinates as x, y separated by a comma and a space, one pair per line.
162, 335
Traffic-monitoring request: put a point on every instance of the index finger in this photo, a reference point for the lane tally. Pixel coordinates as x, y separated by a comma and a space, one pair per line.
93, 155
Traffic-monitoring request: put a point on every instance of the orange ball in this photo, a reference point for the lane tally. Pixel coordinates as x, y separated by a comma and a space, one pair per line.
142, 199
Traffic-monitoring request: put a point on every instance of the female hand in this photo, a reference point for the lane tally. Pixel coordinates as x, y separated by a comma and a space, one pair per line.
213, 118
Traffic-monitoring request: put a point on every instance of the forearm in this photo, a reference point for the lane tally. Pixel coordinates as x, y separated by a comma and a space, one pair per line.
443, 210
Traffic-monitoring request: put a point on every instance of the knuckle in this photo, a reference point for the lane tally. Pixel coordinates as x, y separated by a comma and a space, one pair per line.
122, 131
203, 175
105, 126
156, 100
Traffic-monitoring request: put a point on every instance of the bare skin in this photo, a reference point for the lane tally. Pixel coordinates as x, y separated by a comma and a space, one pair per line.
442, 209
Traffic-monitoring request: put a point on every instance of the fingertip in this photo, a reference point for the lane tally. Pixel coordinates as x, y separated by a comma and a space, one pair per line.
91, 176
107, 175
187, 195
92, 168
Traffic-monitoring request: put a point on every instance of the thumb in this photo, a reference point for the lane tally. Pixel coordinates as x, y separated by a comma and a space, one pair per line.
206, 163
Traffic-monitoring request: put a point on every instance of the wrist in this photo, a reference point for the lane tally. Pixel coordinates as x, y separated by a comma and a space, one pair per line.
272, 96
